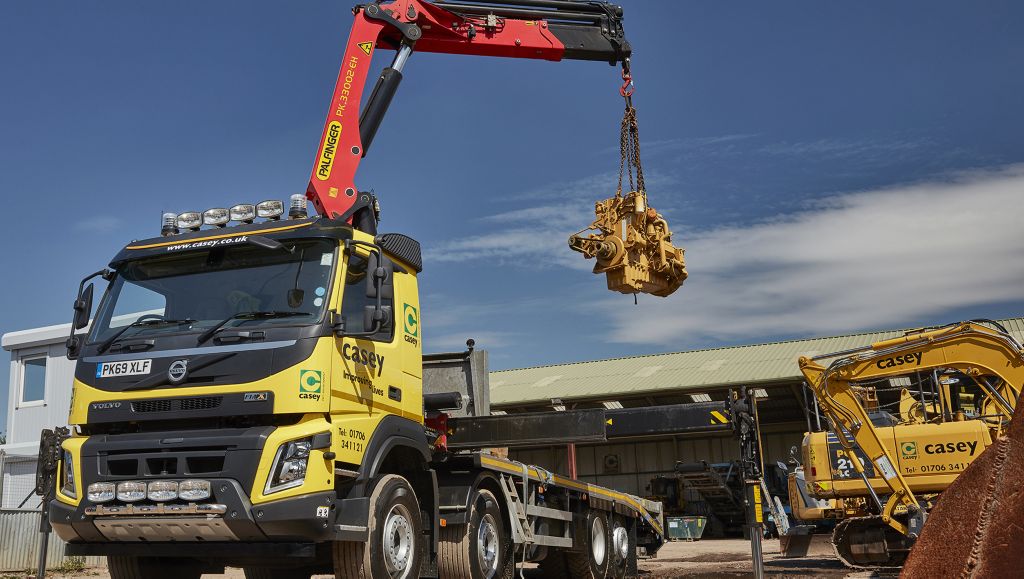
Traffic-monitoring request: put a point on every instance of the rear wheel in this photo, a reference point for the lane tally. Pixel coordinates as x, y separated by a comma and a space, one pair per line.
480, 549
123, 567
394, 548
594, 561
623, 549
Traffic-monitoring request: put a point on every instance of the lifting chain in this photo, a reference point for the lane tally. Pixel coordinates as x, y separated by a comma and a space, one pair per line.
631, 242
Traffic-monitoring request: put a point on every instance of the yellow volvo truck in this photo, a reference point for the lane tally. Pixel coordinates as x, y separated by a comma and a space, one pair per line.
251, 395
905, 417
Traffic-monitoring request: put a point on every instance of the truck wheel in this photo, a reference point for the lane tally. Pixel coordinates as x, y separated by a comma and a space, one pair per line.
623, 553
126, 567
479, 549
394, 548
593, 562
276, 573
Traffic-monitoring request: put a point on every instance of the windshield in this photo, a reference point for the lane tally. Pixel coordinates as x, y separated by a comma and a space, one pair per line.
196, 290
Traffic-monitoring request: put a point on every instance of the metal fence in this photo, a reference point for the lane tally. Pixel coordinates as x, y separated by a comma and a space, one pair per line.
19, 543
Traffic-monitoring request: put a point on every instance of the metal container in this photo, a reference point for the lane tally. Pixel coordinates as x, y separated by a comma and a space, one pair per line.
686, 528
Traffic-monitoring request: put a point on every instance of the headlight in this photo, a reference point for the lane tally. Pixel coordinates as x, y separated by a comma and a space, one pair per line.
243, 212
194, 490
100, 492
218, 216
271, 209
190, 220
289, 468
67, 470
131, 491
163, 490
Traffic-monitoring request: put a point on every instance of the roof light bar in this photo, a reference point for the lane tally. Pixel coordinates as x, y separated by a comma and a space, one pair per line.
612, 404
218, 217
244, 212
271, 209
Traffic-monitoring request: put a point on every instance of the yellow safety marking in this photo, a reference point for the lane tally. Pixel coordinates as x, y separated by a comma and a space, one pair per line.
608, 422
511, 468
224, 236
366, 47
758, 515
718, 418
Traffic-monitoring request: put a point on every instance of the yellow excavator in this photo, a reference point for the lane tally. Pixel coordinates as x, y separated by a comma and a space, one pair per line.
954, 389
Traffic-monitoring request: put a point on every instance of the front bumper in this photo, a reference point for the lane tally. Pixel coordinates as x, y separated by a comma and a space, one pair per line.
306, 518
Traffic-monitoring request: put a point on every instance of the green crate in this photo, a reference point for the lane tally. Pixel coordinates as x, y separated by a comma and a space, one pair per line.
686, 528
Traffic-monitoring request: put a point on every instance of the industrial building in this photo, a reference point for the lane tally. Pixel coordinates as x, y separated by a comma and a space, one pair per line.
41, 376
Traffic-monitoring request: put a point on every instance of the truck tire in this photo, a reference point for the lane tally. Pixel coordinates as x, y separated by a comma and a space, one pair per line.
276, 573
594, 560
130, 567
394, 549
623, 552
479, 549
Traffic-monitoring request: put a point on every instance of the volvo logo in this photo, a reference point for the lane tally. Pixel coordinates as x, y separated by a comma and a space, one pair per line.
178, 371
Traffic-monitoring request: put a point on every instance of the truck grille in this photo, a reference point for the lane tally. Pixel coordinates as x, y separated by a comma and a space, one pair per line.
179, 404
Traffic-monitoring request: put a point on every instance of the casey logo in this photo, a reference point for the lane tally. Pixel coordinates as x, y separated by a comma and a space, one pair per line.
909, 449
311, 384
914, 358
412, 324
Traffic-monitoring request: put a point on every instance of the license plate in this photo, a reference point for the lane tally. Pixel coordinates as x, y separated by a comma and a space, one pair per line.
129, 368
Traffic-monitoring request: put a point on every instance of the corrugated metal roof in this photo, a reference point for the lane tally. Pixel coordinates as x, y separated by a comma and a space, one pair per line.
696, 370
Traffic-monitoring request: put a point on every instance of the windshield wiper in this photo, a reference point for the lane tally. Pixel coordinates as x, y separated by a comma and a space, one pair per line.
246, 316
139, 324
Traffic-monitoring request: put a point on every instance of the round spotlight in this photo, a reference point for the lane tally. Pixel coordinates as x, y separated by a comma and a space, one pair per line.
190, 220
218, 217
271, 209
243, 212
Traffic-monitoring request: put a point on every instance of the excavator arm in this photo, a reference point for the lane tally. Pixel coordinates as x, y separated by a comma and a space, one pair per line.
537, 29
983, 351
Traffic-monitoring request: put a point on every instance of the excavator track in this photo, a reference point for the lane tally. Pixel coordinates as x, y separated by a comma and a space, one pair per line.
869, 543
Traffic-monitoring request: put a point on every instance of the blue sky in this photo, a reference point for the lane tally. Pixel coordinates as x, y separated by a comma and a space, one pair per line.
830, 167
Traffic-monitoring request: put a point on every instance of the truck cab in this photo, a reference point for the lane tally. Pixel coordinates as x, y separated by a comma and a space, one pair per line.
248, 372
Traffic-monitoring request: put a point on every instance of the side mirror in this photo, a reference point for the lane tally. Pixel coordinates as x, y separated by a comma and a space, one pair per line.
380, 320
380, 278
83, 307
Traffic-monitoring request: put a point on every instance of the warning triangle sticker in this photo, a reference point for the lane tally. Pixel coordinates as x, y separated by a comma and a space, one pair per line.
366, 47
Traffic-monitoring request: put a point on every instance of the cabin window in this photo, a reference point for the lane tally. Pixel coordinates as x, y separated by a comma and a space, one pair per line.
33, 380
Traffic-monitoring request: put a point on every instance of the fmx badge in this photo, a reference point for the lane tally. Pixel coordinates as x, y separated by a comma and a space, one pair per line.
909, 449
412, 323
311, 383
330, 148
366, 47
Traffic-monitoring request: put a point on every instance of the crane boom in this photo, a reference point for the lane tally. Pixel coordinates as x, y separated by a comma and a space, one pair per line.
536, 29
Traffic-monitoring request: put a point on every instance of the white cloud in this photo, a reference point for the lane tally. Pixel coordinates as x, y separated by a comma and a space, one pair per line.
863, 260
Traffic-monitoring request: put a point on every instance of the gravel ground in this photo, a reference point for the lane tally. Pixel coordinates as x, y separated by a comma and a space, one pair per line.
707, 559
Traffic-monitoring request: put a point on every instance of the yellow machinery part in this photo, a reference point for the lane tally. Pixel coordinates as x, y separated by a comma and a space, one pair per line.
632, 245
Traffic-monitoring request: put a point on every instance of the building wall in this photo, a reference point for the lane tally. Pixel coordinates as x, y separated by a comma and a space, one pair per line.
26, 420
